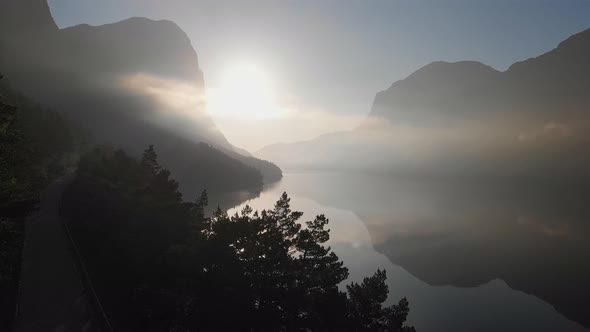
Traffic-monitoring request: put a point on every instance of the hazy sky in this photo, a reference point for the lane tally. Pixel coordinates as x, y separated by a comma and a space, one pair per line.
326, 59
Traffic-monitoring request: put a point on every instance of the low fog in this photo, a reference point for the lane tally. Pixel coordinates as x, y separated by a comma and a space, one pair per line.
468, 119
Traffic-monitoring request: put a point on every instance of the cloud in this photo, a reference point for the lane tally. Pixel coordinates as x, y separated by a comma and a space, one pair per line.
172, 104
172, 95
293, 123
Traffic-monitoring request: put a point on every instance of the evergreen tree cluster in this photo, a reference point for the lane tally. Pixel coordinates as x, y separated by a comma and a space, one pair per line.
161, 264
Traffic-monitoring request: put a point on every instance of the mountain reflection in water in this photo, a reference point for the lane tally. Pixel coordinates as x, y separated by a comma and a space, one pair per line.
469, 255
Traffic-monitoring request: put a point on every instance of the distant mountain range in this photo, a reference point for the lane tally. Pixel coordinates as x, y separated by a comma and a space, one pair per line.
551, 87
468, 118
130, 84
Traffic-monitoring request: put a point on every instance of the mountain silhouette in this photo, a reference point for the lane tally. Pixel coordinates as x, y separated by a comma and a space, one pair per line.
26, 16
550, 87
468, 118
437, 94
120, 82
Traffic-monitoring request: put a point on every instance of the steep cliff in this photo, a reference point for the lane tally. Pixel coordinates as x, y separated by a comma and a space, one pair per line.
130, 84
32, 16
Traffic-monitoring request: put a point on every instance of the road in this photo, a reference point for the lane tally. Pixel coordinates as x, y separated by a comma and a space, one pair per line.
51, 295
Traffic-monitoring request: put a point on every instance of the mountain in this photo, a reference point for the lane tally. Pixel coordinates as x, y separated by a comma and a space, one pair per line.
438, 94
26, 16
550, 87
468, 118
131, 83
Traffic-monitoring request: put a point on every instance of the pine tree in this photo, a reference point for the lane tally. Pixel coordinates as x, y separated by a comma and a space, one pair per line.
366, 312
149, 160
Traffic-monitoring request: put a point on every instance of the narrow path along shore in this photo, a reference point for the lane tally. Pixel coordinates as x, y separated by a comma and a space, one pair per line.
51, 294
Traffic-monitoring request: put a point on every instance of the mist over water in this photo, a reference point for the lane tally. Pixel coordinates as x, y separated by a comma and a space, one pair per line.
495, 253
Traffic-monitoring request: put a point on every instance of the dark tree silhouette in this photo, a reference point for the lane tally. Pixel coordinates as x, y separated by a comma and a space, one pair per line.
34, 144
149, 160
161, 264
366, 310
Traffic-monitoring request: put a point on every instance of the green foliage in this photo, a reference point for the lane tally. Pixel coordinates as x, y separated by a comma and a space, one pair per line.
160, 263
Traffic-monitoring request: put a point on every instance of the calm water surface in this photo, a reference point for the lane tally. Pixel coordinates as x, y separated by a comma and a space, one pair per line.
496, 256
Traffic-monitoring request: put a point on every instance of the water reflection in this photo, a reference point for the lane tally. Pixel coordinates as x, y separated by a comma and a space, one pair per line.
466, 254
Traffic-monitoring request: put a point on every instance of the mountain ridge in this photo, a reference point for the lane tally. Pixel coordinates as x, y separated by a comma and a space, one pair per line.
115, 80
31, 16
469, 117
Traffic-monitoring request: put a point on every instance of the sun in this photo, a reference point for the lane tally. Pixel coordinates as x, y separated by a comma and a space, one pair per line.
244, 91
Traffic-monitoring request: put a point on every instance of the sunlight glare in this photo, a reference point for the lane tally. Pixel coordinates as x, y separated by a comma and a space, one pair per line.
245, 91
